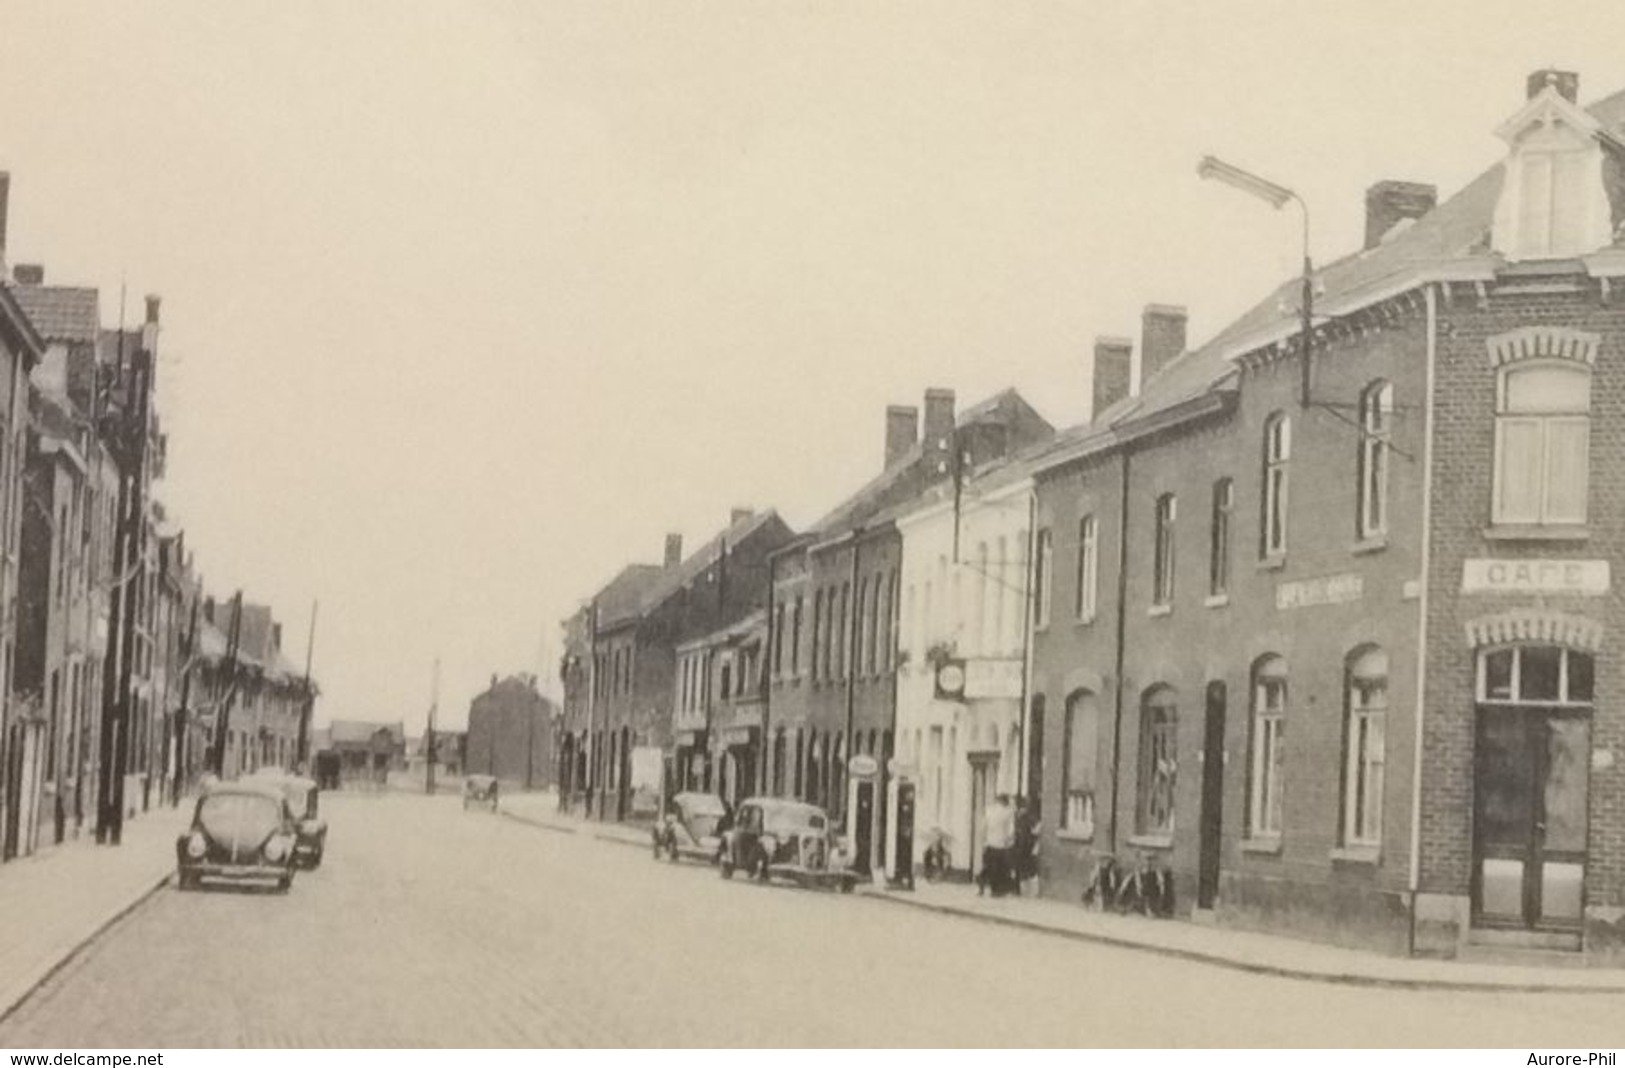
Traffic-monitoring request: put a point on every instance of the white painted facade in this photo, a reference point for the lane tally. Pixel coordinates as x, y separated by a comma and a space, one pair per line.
960, 753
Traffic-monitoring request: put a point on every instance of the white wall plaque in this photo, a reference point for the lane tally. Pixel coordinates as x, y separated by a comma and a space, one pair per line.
987, 677
1585, 577
1332, 589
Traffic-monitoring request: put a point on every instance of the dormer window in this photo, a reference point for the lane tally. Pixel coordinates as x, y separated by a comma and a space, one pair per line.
1553, 203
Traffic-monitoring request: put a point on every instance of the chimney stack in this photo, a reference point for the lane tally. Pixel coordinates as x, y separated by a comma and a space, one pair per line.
208, 610
153, 300
1113, 373
902, 430
1390, 202
5, 195
739, 515
674, 549
1567, 83
939, 423
28, 274
1162, 337
276, 636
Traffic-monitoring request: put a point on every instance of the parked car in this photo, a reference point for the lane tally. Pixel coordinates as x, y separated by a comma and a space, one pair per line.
773, 838
242, 832
310, 843
692, 827
480, 790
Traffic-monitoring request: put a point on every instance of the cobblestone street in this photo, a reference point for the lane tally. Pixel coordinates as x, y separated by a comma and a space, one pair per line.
429, 926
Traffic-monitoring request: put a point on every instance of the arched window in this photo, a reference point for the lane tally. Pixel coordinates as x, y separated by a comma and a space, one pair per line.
1542, 441
1277, 455
1081, 744
1159, 761
1266, 763
1367, 712
1376, 440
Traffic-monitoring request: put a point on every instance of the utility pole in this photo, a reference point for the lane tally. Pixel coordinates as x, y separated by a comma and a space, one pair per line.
851, 668
429, 747
302, 750
222, 725
128, 437
182, 718
594, 804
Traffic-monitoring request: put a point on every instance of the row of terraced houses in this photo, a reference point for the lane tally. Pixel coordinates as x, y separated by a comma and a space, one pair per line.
115, 667
1340, 651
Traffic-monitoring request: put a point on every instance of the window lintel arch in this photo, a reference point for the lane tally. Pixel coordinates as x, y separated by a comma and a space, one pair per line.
1534, 626
1556, 343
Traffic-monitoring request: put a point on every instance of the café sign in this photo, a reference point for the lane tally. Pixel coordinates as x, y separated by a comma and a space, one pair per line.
1587, 578
987, 677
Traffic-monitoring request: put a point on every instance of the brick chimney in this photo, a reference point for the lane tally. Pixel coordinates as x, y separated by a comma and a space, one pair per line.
1162, 337
1113, 373
153, 300
674, 549
28, 274
1567, 83
208, 610
276, 636
739, 515
1389, 202
938, 431
902, 430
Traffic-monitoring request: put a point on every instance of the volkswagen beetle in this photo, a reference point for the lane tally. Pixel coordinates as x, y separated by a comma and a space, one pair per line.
242, 832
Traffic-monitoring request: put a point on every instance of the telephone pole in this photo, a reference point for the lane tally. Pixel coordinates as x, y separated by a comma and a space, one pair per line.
222, 718
429, 740
302, 752
182, 717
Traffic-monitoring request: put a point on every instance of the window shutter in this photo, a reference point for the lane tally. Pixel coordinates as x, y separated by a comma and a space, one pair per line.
1566, 470
1518, 468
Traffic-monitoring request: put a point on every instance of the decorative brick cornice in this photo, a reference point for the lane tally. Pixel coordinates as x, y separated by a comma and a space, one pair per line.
1543, 343
1535, 625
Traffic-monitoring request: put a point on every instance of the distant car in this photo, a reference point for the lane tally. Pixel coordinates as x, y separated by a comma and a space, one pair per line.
310, 844
480, 790
692, 828
242, 832
773, 838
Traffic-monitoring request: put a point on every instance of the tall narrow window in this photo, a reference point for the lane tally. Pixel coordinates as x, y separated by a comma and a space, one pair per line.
1376, 433
1041, 579
778, 640
1082, 728
795, 637
1088, 567
818, 659
980, 647
1218, 568
1267, 762
842, 621
1542, 438
877, 597
1277, 455
860, 621
1159, 761
1162, 561
1001, 591
1363, 768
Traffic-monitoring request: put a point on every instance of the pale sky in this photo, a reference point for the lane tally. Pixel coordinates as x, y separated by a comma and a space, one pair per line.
466, 305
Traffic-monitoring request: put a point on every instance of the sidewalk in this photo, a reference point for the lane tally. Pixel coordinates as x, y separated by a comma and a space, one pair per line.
53, 903
1224, 947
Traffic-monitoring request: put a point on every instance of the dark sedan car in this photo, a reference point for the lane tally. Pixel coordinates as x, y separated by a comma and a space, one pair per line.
242, 832
775, 838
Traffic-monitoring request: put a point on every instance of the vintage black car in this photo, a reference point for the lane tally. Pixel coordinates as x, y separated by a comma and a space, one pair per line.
242, 832
773, 838
480, 790
692, 827
310, 844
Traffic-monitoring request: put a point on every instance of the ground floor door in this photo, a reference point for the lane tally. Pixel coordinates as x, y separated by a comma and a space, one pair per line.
1530, 786
984, 779
1212, 821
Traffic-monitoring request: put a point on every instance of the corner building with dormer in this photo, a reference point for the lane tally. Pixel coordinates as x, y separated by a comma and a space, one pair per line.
1348, 660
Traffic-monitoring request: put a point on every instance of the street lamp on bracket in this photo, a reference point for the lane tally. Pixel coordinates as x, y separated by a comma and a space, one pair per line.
1277, 196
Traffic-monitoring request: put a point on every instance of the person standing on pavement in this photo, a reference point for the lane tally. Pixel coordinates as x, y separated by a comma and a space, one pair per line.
1024, 847
999, 830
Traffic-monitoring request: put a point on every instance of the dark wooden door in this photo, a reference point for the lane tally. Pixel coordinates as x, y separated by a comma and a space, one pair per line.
1212, 816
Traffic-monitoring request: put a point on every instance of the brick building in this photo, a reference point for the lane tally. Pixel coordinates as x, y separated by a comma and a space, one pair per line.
636, 625
1347, 673
510, 734
718, 710
836, 597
